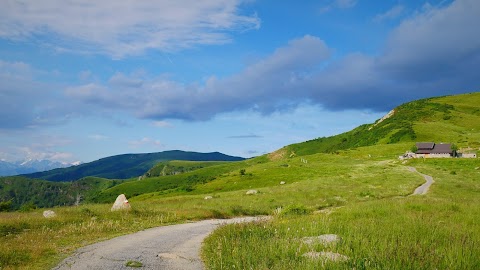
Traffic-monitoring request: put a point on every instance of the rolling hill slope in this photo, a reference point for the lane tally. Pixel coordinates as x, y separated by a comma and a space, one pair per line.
125, 166
446, 119
453, 119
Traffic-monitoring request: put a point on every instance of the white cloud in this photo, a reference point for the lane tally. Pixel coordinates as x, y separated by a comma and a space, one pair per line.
121, 28
418, 61
266, 85
392, 13
438, 42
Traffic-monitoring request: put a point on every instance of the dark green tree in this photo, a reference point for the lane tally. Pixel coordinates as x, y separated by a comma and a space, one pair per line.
414, 149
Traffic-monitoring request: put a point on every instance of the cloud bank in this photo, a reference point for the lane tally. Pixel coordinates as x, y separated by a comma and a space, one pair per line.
95, 27
418, 61
432, 53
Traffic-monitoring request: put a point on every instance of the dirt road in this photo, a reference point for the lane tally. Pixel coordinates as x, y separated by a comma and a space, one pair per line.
423, 189
168, 247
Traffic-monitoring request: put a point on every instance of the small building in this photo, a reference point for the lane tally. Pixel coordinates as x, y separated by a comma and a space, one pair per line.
467, 155
433, 150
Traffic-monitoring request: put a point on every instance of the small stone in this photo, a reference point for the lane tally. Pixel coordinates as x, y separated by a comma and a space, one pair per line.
324, 239
208, 197
252, 192
121, 203
49, 214
326, 256
282, 183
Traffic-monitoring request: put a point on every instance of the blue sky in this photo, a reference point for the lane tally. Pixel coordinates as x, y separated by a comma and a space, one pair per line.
82, 80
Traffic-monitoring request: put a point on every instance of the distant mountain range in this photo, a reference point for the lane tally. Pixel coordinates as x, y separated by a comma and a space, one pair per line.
125, 166
30, 166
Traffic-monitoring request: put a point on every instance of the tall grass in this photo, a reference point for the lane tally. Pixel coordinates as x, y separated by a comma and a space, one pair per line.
438, 231
29, 241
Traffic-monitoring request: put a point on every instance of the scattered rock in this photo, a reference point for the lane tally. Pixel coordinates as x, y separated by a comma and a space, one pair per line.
49, 214
282, 183
208, 197
121, 203
252, 192
324, 239
326, 256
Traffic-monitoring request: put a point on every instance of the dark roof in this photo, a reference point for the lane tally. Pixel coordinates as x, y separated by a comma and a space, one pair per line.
425, 145
443, 148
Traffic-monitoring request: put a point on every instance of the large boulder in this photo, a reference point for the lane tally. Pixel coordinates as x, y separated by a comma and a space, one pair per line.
326, 256
49, 214
324, 239
121, 203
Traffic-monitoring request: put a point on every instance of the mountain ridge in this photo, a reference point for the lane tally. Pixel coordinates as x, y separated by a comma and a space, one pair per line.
125, 166
30, 166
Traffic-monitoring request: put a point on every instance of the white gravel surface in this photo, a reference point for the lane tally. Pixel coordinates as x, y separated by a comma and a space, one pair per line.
167, 247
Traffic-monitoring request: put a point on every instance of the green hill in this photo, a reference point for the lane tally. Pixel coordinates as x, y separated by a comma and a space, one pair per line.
174, 167
352, 185
445, 119
125, 166
18, 191
453, 119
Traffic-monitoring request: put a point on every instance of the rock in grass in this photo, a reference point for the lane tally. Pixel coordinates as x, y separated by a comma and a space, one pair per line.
252, 192
324, 239
208, 197
49, 214
121, 203
282, 183
326, 256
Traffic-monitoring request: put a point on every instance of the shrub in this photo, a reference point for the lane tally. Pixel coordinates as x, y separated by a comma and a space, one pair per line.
5, 206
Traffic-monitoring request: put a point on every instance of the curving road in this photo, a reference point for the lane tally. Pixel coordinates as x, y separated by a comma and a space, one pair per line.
168, 247
423, 189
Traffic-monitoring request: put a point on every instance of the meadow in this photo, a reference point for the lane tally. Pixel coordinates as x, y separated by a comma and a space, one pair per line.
351, 185
439, 230
316, 182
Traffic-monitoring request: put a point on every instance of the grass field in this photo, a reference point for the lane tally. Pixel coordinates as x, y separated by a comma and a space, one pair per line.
325, 180
440, 230
324, 186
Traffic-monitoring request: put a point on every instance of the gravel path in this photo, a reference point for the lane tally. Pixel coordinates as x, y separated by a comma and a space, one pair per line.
423, 189
168, 247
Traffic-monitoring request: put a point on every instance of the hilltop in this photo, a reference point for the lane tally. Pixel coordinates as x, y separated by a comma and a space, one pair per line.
451, 119
125, 166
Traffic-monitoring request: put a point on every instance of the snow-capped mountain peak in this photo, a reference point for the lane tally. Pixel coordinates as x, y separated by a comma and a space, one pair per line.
32, 165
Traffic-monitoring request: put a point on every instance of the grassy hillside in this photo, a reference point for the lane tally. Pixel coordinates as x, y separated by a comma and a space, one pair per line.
451, 119
351, 184
23, 193
447, 119
175, 167
125, 166
439, 230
